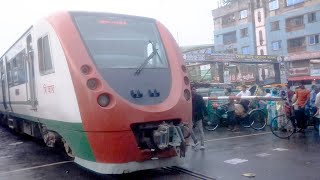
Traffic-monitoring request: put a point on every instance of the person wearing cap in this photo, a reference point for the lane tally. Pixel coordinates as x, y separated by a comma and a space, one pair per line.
244, 92
302, 98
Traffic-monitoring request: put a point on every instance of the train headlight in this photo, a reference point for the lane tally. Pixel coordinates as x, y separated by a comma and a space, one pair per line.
186, 80
184, 68
85, 69
92, 84
103, 100
187, 94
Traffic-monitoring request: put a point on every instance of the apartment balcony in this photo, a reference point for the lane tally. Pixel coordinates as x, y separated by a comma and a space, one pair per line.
230, 24
294, 28
297, 49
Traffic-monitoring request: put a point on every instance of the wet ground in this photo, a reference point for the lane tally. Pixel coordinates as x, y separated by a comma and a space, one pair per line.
227, 156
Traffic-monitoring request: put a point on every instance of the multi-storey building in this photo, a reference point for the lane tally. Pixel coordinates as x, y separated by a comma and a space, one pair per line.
288, 28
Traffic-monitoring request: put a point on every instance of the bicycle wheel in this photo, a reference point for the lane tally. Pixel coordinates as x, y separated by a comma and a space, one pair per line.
282, 127
258, 119
212, 123
245, 121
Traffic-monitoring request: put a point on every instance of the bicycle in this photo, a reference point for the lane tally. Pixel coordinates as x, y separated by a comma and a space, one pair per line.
284, 125
256, 119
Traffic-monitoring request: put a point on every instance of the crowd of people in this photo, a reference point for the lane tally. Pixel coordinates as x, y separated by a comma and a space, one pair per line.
302, 103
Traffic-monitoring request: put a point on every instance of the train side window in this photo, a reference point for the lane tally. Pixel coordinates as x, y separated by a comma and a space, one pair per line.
9, 74
44, 56
17, 70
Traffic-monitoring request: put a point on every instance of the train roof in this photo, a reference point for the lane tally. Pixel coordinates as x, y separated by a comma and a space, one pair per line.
100, 13
74, 13
26, 32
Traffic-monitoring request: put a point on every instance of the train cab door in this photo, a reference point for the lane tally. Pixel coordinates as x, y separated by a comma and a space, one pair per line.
3, 84
30, 74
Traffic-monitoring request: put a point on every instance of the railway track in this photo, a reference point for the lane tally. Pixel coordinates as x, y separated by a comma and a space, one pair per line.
188, 172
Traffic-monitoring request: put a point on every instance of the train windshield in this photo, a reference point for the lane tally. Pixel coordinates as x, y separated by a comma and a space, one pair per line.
121, 42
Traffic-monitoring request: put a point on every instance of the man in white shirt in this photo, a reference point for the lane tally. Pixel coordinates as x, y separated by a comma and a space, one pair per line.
244, 91
317, 104
243, 102
268, 93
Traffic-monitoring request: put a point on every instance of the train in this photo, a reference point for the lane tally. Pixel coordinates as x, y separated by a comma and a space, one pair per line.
111, 88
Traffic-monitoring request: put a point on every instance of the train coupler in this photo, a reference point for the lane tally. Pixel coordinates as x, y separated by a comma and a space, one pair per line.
167, 136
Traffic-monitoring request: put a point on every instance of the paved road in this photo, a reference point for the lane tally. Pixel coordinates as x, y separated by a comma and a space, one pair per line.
262, 154
227, 156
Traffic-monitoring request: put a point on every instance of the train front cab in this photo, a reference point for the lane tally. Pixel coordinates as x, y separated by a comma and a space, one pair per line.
132, 89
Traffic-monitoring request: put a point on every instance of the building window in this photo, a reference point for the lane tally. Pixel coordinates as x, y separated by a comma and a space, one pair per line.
293, 2
276, 45
273, 5
244, 32
261, 52
245, 50
296, 44
44, 56
259, 16
230, 37
275, 26
301, 63
314, 39
230, 51
216, 21
312, 17
294, 22
260, 38
227, 19
243, 14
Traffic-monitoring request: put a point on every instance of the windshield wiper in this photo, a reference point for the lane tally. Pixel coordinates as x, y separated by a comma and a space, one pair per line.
145, 62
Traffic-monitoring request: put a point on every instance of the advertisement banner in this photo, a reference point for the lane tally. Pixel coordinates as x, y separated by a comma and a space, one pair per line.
315, 72
305, 71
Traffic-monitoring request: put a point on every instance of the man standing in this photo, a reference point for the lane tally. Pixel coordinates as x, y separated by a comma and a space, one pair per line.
290, 94
317, 105
244, 92
199, 110
302, 98
312, 101
233, 123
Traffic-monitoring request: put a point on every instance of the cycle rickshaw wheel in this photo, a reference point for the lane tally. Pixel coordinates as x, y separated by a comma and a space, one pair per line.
282, 127
212, 123
258, 119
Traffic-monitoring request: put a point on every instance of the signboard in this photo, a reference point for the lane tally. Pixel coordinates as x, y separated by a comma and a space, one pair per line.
232, 58
305, 71
205, 72
240, 78
194, 57
315, 72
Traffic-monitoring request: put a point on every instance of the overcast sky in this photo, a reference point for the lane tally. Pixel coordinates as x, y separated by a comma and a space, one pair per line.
189, 21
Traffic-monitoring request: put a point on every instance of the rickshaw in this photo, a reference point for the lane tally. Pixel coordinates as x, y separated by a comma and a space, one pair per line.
284, 125
256, 117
